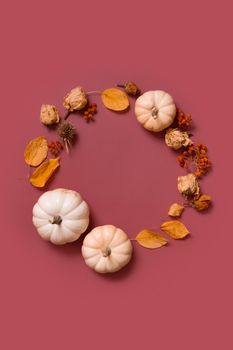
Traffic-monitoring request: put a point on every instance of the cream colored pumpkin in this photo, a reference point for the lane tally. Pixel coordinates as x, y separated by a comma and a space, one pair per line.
155, 110
107, 249
60, 216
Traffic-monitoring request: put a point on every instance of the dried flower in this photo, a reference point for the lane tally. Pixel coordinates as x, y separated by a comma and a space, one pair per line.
175, 210
67, 132
183, 120
131, 88
195, 158
55, 147
49, 114
201, 202
176, 138
188, 185
89, 112
76, 99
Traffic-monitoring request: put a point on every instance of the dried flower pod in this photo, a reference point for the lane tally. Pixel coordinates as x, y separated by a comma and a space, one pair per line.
202, 202
132, 89
175, 210
76, 99
188, 185
49, 115
176, 138
68, 133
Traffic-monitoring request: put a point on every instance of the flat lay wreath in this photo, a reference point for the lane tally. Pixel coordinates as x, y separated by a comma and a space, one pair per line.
61, 215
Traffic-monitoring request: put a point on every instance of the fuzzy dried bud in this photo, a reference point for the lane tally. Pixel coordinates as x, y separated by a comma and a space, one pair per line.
49, 115
175, 210
176, 138
202, 202
75, 100
188, 185
132, 89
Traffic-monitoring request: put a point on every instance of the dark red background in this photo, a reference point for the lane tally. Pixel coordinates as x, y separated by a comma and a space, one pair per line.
178, 297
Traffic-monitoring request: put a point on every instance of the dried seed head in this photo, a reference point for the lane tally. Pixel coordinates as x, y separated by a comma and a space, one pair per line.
49, 115
132, 89
76, 99
67, 132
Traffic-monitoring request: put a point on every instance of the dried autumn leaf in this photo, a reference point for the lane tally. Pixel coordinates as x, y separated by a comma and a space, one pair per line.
150, 239
43, 173
202, 202
175, 209
176, 229
115, 99
36, 151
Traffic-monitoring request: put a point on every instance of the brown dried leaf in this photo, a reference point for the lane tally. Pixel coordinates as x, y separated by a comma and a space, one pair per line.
202, 202
115, 99
175, 209
150, 239
176, 229
36, 151
43, 173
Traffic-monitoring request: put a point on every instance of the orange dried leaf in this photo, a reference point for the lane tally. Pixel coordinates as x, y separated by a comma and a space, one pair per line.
115, 99
43, 173
174, 228
36, 151
150, 239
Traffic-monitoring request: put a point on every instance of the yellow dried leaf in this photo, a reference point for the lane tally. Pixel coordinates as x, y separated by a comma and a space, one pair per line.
176, 229
175, 209
43, 173
115, 99
150, 239
36, 151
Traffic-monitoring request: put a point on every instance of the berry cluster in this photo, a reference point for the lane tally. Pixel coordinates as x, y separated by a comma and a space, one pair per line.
182, 119
90, 111
55, 147
197, 155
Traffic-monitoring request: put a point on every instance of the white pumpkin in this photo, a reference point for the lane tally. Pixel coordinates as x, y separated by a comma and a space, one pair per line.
107, 249
60, 216
155, 110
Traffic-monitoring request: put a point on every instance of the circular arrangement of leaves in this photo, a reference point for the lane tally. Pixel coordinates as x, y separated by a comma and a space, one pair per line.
61, 215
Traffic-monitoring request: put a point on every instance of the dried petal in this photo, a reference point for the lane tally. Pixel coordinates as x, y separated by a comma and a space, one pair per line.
175, 209
43, 173
176, 229
176, 138
115, 99
36, 151
188, 185
76, 99
202, 202
49, 115
150, 239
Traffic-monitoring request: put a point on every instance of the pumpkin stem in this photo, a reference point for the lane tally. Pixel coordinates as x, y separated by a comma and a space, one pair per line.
121, 85
56, 220
154, 112
106, 252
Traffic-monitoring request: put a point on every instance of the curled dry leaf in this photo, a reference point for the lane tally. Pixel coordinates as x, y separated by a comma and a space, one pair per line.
202, 203
176, 209
150, 239
36, 151
115, 99
176, 229
43, 173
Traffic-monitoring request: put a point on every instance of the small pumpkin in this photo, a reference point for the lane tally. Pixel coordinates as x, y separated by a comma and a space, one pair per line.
107, 249
155, 110
60, 216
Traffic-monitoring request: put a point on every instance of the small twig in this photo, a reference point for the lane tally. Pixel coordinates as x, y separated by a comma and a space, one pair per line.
66, 116
94, 92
